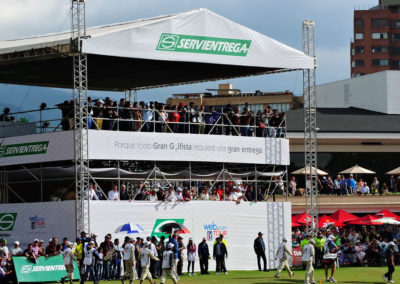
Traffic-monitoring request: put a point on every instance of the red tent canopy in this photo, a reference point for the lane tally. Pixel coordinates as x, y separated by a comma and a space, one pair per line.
387, 213
324, 220
301, 218
366, 220
343, 216
294, 224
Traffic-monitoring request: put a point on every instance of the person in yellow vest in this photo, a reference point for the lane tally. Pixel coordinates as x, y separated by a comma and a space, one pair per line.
319, 248
281, 255
78, 252
221, 237
308, 253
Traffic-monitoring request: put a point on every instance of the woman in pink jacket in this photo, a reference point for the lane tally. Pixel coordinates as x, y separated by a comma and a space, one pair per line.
191, 253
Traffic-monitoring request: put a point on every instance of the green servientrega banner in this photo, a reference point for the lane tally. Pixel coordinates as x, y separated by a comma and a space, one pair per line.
47, 269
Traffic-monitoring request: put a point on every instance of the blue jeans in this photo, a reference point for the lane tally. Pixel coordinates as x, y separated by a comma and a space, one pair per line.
99, 271
106, 269
116, 268
89, 269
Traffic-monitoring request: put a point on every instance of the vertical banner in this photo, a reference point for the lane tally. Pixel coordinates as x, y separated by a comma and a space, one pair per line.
297, 261
46, 269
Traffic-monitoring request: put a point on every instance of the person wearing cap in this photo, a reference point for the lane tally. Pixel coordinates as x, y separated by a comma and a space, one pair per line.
390, 263
179, 194
16, 250
129, 261
308, 254
204, 256
168, 264
319, 243
4, 252
69, 257
330, 256
259, 249
145, 256
221, 237
36, 247
191, 255
89, 254
282, 255
219, 254
173, 240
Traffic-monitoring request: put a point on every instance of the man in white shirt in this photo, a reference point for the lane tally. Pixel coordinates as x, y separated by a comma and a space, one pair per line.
281, 255
16, 251
91, 194
178, 194
4, 253
69, 258
89, 253
308, 253
168, 265
113, 193
129, 261
145, 256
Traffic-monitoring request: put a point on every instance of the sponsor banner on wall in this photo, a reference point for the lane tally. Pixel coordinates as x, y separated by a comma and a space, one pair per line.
239, 223
112, 145
46, 269
37, 148
25, 222
296, 260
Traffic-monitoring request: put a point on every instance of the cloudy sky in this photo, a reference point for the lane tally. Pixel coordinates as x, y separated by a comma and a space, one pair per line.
279, 19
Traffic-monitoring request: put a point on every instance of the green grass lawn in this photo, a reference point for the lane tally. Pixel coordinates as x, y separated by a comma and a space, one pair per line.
343, 275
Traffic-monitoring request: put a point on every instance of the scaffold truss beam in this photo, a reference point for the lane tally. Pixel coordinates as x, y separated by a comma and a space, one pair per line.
310, 131
78, 32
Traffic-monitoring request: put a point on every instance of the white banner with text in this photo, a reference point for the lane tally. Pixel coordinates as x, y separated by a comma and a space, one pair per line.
149, 146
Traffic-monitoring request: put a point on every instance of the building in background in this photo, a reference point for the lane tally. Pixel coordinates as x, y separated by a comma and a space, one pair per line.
376, 44
225, 94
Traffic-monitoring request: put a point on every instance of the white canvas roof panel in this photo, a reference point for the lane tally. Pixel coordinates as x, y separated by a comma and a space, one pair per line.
188, 47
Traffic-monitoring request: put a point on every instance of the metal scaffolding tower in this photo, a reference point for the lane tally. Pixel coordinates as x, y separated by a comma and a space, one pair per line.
78, 32
310, 131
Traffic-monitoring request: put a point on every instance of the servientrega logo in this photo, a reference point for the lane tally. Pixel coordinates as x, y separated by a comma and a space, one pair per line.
7, 221
203, 44
26, 269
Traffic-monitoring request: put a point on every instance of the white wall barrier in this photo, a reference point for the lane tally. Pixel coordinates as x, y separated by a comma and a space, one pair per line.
240, 224
197, 219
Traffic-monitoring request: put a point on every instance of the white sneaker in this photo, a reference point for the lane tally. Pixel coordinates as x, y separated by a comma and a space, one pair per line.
226, 273
391, 281
194, 274
217, 273
332, 280
189, 274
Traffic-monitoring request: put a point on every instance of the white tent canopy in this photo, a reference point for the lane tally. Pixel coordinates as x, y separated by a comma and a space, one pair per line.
193, 46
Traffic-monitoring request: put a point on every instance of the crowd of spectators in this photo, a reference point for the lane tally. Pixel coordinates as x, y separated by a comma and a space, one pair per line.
349, 186
109, 255
157, 117
236, 191
358, 245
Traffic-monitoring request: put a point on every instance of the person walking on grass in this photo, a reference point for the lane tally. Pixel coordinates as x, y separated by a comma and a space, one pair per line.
145, 256
390, 263
308, 254
168, 262
281, 255
69, 258
330, 256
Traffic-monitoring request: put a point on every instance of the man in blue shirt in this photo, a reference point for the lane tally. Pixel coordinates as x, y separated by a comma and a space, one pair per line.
351, 184
259, 249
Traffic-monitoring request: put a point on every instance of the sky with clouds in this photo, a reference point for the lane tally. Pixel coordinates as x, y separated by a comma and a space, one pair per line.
279, 19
